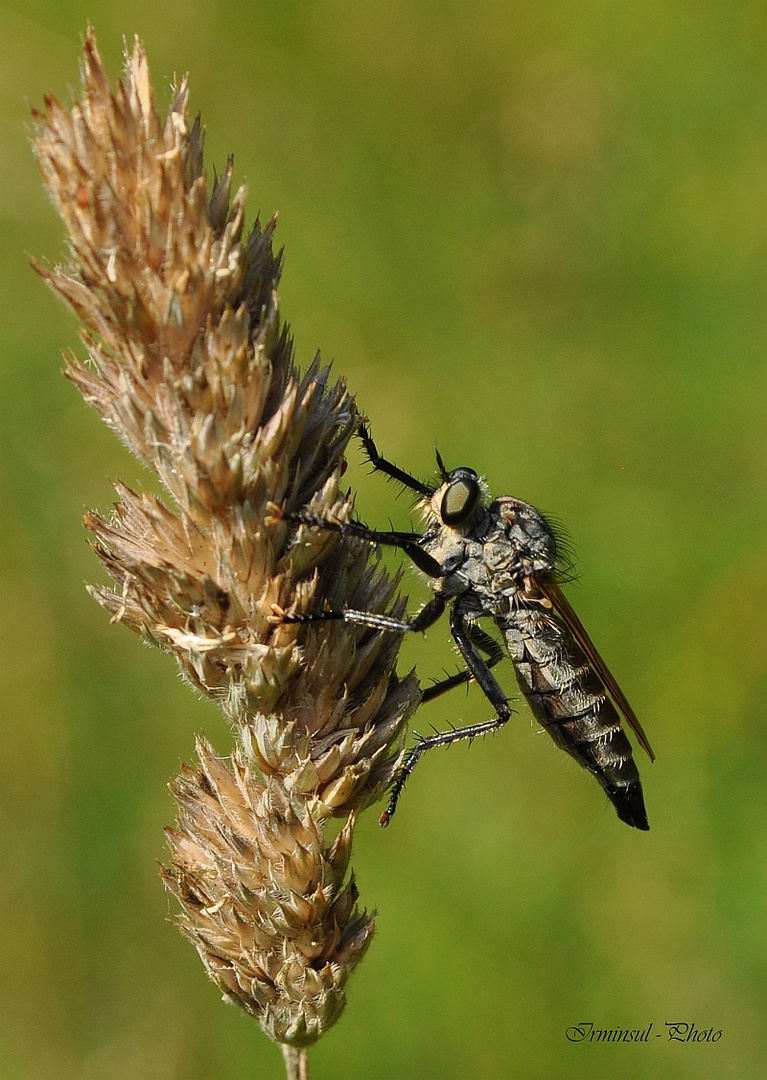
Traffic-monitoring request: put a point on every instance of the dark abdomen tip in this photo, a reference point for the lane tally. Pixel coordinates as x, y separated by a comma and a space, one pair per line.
629, 802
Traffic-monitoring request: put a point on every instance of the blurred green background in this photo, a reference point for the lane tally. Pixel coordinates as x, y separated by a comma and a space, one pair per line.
533, 234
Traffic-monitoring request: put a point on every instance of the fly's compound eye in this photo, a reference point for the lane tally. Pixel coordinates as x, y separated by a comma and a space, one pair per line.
461, 498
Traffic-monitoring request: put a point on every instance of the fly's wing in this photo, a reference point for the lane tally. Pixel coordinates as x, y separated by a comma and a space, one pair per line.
562, 606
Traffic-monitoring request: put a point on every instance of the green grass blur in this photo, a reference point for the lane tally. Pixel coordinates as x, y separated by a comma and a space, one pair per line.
533, 234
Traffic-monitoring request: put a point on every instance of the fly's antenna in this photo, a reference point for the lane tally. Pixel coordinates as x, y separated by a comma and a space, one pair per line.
440, 464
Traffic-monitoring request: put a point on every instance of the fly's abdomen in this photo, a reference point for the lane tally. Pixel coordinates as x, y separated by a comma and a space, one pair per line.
570, 701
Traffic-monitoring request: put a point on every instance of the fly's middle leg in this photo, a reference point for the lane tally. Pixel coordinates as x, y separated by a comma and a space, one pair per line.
425, 618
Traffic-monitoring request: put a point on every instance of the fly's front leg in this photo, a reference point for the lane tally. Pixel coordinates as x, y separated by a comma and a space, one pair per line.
409, 542
384, 466
479, 669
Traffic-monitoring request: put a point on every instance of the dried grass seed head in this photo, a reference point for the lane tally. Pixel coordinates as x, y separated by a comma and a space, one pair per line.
188, 362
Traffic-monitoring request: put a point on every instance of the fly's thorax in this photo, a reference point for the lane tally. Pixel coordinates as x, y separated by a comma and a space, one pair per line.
452, 551
527, 534
482, 563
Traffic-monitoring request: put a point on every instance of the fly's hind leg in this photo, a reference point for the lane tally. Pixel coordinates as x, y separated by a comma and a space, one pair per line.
492, 649
467, 639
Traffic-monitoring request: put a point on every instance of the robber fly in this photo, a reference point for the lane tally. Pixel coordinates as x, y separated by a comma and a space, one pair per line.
499, 560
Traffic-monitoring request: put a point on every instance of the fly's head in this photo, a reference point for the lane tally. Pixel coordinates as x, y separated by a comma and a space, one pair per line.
459, 501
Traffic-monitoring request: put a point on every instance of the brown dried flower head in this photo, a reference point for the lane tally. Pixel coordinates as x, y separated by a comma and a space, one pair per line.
189, 364
258, 869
